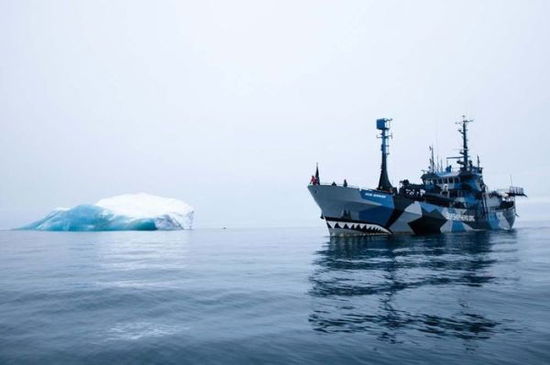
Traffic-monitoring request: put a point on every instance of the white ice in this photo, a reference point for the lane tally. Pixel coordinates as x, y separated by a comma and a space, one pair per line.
119, 213
142, 205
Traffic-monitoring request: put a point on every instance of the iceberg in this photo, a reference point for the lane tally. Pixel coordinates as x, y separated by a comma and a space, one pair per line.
128, 212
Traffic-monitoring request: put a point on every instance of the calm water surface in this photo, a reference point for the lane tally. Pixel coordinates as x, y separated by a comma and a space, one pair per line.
274, 296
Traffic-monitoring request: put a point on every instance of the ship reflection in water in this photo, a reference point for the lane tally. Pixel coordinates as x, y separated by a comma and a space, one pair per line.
407, 287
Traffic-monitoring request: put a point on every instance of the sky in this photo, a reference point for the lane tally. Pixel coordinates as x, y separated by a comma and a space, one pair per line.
228, 105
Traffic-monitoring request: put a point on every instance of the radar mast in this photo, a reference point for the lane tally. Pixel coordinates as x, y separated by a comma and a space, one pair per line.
383, 125
464, 151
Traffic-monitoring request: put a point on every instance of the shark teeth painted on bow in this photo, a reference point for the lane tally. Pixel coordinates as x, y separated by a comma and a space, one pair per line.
367, 228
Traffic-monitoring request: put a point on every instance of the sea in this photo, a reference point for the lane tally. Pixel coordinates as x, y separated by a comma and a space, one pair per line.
275, 296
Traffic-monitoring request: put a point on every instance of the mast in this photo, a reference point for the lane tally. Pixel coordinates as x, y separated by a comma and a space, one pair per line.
384, 126
317, 173
464, 151
432, 160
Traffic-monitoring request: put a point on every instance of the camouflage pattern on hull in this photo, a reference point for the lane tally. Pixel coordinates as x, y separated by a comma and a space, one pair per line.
354, 211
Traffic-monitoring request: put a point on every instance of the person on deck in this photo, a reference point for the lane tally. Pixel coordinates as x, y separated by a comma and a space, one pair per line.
313, 180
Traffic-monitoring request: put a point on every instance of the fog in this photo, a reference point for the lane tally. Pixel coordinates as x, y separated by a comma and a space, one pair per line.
229, 105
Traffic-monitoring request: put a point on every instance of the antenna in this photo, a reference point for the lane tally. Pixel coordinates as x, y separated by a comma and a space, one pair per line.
438, 162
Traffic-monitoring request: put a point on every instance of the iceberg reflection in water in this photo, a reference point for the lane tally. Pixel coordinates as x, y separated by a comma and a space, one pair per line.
412, 286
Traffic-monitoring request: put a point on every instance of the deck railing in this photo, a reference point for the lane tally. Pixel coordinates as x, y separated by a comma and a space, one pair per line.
515, 191
342, 185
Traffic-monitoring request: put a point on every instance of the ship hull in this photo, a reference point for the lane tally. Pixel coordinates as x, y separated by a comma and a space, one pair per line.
354, 211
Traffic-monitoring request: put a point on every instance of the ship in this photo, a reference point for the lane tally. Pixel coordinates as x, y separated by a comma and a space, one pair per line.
448, 198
